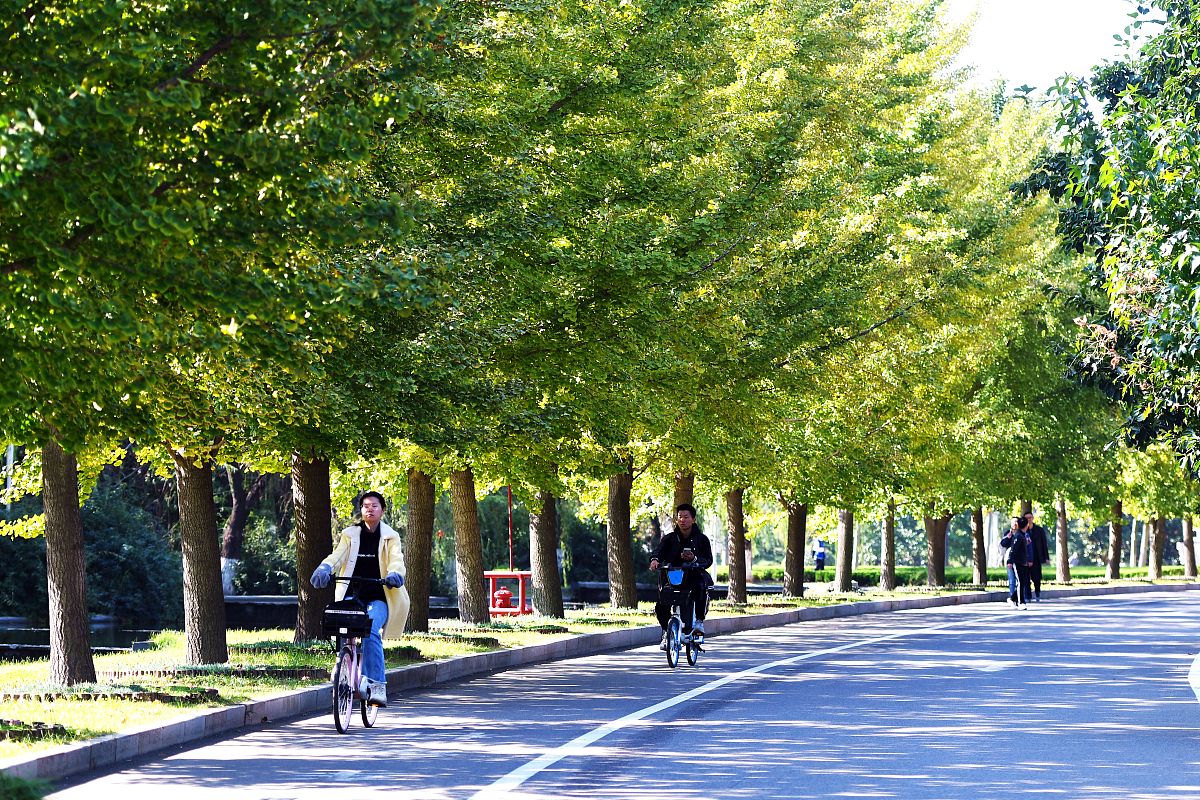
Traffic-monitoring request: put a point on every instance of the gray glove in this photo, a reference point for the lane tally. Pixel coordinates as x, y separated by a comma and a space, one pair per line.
394, 580
320, 577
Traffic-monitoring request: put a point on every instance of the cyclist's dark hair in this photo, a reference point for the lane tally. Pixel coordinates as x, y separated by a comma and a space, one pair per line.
688, 507
376, 495
1022, 523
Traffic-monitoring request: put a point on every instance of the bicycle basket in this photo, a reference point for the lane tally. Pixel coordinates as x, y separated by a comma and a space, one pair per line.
675, 577
674, 595
345, 618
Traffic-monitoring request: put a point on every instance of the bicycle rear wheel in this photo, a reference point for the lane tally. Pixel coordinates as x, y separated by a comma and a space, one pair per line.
693, 653
673, 645
343, 692
369, 712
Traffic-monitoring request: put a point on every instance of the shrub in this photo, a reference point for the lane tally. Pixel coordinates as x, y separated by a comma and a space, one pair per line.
268, 563
132, 571
23, 569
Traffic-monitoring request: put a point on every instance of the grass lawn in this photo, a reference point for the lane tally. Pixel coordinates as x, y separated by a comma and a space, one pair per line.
266, 663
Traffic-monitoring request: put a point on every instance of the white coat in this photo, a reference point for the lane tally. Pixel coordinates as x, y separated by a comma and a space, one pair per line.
391, 559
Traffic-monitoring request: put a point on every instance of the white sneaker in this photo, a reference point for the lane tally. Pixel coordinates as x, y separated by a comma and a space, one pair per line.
1011, 603
377, 693
1023, 607
698, 627
662, 645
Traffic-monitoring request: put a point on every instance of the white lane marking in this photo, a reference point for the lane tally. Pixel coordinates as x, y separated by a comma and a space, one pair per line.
577, 746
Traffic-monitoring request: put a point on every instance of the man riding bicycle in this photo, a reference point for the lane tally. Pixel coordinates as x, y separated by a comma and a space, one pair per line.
685, 546
371, 549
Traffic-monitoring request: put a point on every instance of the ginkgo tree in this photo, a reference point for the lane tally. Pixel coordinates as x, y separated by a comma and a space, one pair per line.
160, 165
1125, 178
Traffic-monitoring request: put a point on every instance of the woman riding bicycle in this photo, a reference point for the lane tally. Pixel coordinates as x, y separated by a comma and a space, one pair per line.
685, 546
371, 549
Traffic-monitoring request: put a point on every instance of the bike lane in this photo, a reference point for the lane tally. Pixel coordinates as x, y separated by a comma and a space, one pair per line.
830, 707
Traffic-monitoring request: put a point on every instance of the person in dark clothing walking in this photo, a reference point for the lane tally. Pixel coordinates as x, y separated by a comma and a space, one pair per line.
1041, 554
685, 545
1020, 560
819, 555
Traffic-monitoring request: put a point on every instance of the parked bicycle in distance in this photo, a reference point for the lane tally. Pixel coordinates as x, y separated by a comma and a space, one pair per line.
346, 622
674, 591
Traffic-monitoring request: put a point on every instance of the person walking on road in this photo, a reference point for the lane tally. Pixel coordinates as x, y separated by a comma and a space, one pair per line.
1020, 561
1012, 573
1041, 554
371, 549
818, 555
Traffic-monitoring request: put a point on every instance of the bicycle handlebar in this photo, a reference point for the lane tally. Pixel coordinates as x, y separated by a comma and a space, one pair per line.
355, 579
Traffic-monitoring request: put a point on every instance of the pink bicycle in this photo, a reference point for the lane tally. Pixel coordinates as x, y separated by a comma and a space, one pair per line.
346, 623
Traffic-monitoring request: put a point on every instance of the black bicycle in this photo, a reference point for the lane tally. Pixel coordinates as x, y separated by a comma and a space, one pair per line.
673, 589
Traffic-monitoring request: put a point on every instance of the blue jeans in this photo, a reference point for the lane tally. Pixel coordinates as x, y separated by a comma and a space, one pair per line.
1012, 581
372, 665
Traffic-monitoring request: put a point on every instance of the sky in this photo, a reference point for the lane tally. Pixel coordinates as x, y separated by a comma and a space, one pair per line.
1035, 41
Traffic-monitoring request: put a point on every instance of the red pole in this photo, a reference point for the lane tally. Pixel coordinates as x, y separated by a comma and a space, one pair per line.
510, 549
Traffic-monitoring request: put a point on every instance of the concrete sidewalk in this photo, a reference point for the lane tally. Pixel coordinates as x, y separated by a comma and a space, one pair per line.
109, 750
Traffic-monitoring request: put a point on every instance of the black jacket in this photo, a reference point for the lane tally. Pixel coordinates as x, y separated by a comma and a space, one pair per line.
670, 550
1021, 550
1041, 547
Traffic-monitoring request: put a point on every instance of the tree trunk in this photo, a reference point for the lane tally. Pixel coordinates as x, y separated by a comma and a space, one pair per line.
468, 548
1113, 569
748, 551
279, 490
735, 526
1147, 534
1026, 507
66, 583
233, 534
685, 488
935, 549
1062, 571
979, 551
845, 550
1158, 543
241, 501
543, 557
313, 516
793, 564
1189, 549
203, 600
418, 548
887, 549
622, 582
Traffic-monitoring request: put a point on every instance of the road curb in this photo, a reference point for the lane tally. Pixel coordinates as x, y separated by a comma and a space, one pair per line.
105, 751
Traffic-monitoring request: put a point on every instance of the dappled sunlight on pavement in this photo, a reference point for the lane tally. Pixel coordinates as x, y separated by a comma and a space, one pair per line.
1073, 700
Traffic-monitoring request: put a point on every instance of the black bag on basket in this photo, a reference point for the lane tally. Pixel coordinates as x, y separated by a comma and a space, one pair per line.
346, 618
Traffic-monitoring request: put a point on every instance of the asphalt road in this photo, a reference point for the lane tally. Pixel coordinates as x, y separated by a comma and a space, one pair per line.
1083, 698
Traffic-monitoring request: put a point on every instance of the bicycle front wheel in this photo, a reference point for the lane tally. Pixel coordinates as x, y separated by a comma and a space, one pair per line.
693, 653
673, 628
343, 691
